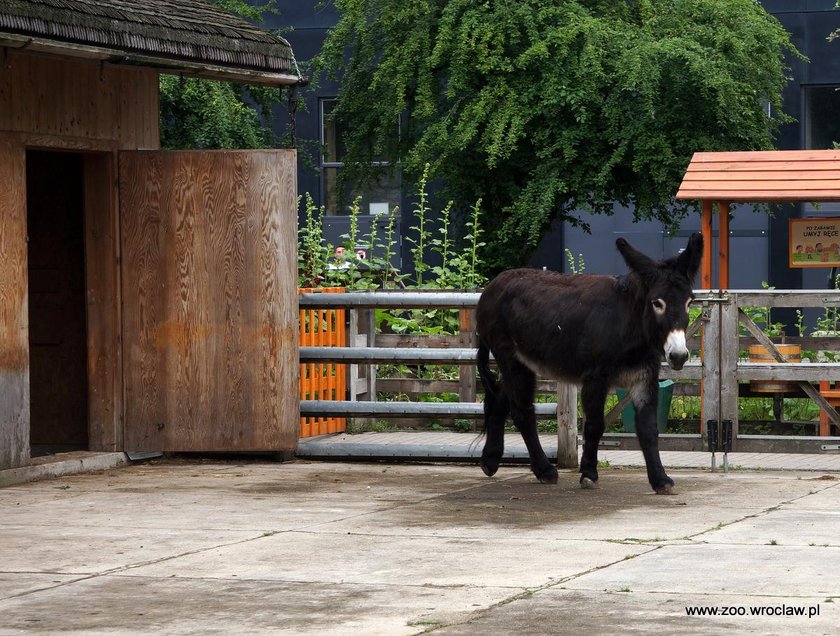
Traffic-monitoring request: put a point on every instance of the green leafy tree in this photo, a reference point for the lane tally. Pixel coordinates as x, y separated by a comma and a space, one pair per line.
545, 107
197, 113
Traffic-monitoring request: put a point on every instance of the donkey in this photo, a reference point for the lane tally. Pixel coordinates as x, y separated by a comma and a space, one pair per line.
593, 330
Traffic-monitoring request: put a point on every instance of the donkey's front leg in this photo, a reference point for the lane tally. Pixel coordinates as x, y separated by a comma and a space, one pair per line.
645, 399
592, 397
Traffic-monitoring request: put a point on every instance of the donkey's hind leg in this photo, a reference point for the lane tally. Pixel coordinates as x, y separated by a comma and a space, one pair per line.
592, 397
519, 384
496, 410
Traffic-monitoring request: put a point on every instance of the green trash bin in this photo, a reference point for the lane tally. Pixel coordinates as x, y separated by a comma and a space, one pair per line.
663, 406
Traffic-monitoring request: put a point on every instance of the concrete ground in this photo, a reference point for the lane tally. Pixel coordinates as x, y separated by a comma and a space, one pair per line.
251, 547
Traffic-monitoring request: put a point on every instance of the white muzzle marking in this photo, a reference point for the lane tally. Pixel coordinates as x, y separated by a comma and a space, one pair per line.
675, 346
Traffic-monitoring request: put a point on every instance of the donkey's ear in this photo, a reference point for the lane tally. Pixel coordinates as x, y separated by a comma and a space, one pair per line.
636, 261
688, 262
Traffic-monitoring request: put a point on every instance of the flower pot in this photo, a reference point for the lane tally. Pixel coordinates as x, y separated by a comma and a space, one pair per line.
663, 406
759, 353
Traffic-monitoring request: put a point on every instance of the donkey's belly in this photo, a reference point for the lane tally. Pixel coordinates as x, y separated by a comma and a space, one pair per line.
549, 371
627, 377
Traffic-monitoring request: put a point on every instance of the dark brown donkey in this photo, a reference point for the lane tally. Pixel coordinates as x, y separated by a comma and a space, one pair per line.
595, 331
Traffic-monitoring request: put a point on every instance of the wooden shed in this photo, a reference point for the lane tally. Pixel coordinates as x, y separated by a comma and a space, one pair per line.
147, 298
719, 179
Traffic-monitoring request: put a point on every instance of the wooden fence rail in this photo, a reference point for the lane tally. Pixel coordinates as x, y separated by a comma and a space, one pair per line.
722, 372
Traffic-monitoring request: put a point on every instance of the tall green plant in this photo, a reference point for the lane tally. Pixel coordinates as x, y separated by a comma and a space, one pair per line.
419, 242
312, 253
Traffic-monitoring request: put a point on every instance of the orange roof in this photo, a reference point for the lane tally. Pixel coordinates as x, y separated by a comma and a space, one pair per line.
763, 176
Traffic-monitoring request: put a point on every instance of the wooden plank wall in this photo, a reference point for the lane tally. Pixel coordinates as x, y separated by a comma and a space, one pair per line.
103, 307
209, 248
67, 104
59, 101
14, 330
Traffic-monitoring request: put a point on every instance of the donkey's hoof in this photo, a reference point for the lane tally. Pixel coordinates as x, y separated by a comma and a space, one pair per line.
548, 476
667, 489
588, 484
489, 467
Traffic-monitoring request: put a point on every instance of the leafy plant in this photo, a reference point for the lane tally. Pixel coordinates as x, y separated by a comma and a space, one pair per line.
199, 113
312, 253
762, 318
575, 267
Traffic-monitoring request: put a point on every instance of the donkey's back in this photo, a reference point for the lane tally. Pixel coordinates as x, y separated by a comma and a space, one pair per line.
558, 325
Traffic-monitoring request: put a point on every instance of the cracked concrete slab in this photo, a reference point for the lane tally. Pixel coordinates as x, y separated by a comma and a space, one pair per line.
208, 546
559, 611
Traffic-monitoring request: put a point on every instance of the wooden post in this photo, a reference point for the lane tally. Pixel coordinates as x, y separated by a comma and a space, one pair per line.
706, 228
362, 333
705, 283
466, 372
723, 245
727, 363
567, 426
710, 387
14, 313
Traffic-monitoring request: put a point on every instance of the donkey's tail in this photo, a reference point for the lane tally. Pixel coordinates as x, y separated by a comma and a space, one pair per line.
488, 378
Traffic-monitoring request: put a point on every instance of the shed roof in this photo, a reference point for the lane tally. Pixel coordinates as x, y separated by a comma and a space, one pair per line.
763, 176
180, 36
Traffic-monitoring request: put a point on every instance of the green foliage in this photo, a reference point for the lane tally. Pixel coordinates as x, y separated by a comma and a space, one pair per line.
458, 268
544, 107
575, 267
252, 10
198, 113
761, 317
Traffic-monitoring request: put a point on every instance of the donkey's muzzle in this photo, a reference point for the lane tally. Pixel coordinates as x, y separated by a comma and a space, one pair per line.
677, 360
676, 351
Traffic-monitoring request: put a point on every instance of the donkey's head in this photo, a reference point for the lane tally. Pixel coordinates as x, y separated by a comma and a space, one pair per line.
666, 288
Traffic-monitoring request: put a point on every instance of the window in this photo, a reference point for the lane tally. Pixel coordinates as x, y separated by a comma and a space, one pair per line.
822, 117
377, 198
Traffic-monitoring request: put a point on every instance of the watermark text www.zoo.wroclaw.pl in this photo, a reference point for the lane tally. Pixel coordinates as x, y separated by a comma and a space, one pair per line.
753, 610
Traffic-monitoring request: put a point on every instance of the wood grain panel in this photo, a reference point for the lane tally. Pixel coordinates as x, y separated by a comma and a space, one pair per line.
764, 176
143, 294
101, 253
783, 166
58, 97
14, 332
767, 155
210, 302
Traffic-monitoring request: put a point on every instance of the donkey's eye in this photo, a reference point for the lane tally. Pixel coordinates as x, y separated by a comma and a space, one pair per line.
658, 306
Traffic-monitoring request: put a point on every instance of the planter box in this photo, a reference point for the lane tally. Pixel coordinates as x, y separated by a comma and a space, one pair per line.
663, 406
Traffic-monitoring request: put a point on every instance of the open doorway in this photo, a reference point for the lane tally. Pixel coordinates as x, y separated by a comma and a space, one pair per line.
57, 317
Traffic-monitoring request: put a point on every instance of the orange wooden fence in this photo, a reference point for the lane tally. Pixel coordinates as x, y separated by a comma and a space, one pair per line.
322, 381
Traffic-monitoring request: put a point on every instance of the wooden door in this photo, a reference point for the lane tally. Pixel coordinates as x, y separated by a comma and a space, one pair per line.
209, 280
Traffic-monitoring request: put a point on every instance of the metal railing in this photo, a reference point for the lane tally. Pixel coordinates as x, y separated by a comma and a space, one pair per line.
721, 371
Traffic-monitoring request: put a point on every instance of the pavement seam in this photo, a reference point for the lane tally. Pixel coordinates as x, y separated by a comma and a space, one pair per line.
761, 513
133, 566
530, 591
558, 584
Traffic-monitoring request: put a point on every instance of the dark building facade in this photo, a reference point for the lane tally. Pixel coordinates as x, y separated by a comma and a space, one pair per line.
759, 242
